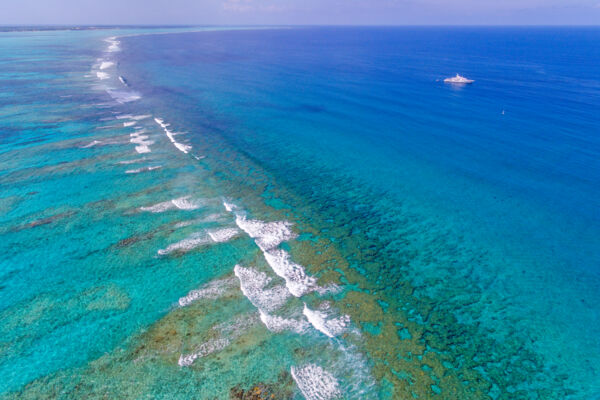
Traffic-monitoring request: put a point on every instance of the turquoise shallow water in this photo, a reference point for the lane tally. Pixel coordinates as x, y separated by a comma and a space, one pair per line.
300, 213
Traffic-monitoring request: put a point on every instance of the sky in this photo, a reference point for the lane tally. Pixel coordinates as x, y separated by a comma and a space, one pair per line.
302, 12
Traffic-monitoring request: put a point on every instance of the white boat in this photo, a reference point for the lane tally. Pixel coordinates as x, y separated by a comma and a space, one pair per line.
458, 79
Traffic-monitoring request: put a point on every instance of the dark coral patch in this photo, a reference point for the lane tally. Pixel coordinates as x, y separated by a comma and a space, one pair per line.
43, 221
282, 389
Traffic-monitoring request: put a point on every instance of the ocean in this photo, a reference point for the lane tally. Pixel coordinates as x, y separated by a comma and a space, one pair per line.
300, 213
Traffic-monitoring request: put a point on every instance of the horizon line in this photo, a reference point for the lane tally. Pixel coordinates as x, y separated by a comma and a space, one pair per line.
278, 25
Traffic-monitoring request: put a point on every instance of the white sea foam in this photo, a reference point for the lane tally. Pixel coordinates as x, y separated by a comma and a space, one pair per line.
229, 206
321, 321
267, 235
181, 203
129, 123
223, 235
106, 64
102, 75
180, 146
105, 142
200, 239
275, 323
231, 329
183, 224
142, 149
140, 117
315, 383
158, 208
141, 141
195, 240
122, 96
254, 284
203, 350
127, 162
91, 144
296, 280
113, 44
106, 118
138, 138
212, 290
143, 169
133, 117
184, 203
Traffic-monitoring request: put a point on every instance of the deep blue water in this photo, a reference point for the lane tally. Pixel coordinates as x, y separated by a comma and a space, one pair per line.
459, 224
